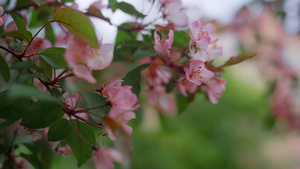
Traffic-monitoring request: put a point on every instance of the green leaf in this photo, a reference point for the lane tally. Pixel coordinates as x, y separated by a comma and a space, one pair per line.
24, 77
181, 39
97, 13
183, 102
238, 59
41, 115
9, 110
4, 69
55, 57
133, 78
142, 53
78, 24
68, 0
40, 2
22, 4
40, 16
22, 91
33, 160
22, 35
18, 20
129, 9
59, 130
81, 150
47, 68
112, 5
94, 100
49, 34
26, 65
123, 35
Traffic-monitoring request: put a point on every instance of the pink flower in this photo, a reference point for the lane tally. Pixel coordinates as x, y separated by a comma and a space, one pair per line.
214, 89
82, 58
119, 118
166, 2
201, 35
124, 99
197, 73
99, 5
186, 85
162, 45
204, 55
109, 90
3, 16
100, 58
105, 156
175, 14
165, 102
40, 44
155, 75
64, 150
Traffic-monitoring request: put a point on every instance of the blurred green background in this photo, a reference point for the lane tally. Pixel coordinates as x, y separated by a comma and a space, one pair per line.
228, 135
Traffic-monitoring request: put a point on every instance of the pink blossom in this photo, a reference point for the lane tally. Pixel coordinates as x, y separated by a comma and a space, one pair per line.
201, 35
64, 150
214, 89
197, 73
124, 99
162, 45
40, 44
99, 5
3, 16
82, 58
155, 75
109, 90
119, 118
105, 156
209, 55
164, 101
186, 85
175, 14
166, 2
11, 27
100, 58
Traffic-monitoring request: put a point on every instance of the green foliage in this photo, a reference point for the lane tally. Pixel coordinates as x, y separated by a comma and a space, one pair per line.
22, 35
124, 33
12, 108
49, 34
4, 69
181, 39
59, 130
94, 100
55, 57
81, 150
19, 91
40, 2
18, 20
78, 24
26, 65
129, 9
133, 78
41, 115
142, 53
40, 16
183, 102
33, 160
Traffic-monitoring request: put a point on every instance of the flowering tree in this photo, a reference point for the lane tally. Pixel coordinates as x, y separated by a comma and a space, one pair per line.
61, 88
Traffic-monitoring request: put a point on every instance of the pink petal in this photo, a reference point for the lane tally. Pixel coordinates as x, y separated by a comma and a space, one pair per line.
83, 72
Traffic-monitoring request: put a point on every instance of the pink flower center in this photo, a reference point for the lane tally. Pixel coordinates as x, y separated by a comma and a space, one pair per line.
196, 74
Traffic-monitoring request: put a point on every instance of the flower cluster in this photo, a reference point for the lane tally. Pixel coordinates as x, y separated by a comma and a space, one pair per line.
174, 12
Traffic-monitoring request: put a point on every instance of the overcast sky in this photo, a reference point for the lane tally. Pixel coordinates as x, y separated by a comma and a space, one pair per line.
221, 10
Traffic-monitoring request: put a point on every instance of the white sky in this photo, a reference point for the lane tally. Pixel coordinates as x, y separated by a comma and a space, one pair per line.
221, 10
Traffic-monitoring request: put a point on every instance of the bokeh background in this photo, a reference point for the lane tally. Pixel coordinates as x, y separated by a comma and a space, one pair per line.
241, 131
